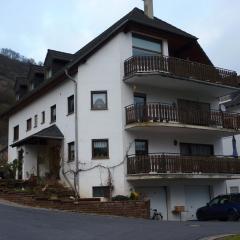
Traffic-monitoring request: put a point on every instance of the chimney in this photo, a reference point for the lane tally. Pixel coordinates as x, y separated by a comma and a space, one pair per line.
148, 8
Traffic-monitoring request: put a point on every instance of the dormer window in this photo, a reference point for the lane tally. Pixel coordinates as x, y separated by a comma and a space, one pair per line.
145, 46
48, 73
32, 86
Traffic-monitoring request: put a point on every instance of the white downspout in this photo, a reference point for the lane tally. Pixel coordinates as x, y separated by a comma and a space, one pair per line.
76, 130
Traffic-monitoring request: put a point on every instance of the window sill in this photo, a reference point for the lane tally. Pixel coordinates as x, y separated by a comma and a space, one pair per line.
70, 161
71, 113
100, 158
52, 122
97, 109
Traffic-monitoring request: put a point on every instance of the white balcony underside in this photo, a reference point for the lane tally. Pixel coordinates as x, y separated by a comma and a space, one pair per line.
175, 176
171, 82
179, 127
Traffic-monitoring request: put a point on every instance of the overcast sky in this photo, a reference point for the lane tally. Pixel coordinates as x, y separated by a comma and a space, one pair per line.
31, 27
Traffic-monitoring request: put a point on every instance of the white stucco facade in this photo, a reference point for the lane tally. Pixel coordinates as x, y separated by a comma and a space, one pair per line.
104, 71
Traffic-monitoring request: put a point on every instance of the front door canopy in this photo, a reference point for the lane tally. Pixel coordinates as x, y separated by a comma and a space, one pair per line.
52, 132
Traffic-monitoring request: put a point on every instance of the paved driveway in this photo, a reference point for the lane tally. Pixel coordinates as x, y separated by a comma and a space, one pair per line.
17, 223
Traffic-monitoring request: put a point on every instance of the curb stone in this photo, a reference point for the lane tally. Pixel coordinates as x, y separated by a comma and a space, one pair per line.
216, 237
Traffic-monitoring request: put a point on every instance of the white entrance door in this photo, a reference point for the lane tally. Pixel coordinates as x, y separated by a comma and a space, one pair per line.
157, 197
196, 197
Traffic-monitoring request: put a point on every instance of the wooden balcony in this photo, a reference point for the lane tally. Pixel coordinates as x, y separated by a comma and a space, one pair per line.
166, 163
180, 68
164, 113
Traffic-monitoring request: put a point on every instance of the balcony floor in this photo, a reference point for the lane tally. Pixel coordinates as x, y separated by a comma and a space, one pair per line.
171, 82
179, 176
179, 128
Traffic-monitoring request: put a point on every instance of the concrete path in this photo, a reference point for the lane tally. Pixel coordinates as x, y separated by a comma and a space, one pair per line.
20, 223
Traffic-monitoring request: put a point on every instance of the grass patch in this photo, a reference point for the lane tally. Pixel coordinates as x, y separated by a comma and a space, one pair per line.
236, 237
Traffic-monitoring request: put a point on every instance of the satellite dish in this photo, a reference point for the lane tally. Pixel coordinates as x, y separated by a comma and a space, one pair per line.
222, 108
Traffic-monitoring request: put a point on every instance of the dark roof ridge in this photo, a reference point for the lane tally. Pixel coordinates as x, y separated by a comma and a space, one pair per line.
53, 50
139, 11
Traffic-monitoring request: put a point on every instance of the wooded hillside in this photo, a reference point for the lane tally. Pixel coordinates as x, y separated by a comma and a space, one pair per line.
9, 69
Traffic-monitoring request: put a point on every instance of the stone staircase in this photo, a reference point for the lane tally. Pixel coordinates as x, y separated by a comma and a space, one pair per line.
48, 191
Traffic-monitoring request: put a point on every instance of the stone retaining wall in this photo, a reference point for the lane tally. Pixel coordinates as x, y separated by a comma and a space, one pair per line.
137, 209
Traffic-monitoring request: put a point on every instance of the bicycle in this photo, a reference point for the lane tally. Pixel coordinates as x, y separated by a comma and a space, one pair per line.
156, 215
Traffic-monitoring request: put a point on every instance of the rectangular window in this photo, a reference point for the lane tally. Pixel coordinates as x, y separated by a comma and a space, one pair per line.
192, 112
100, 149
35, 120
53, 114
29, 124
99, 100
143, 46
71, 152
190, 149
16, 133
43, 117
234, 189
141, 147
103, 191
71, 104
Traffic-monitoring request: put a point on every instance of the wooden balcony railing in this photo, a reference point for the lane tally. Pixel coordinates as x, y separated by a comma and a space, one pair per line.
157, 112
179, 67
166, 163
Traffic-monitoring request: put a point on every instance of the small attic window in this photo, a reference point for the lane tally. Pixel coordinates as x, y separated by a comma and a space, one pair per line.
143, 46
48, 73
32, 85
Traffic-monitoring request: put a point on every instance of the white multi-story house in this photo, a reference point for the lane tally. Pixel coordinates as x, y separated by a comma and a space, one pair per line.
136, 108
232, 104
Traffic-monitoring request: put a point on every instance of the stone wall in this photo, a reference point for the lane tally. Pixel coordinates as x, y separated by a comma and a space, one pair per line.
137, 209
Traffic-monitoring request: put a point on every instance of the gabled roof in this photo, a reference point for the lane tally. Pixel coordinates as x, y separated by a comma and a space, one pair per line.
53, 54
35, 69
21, 81
136, 16
51, 132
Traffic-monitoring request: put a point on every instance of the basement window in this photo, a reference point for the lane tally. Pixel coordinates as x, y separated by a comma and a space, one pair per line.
102, 191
